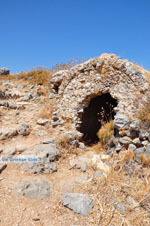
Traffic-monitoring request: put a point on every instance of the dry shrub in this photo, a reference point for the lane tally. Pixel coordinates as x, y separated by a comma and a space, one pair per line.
98, 147
128, 155
143, 112
39, 77
63, 141
145, 160
105, 132
147, 77
68, 65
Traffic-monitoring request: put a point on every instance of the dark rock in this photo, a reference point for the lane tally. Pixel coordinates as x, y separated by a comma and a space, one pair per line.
55, 118
4, 71
2, 166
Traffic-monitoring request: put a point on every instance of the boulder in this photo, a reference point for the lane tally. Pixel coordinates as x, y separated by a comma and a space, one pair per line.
121, 122
45, 154
4, 71
79, 203
33, 188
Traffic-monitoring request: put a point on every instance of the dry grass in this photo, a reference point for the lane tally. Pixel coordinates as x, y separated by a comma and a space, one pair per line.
143, 113
68, 65
97, 148
63, 141
145, 160
127, 156
147, 77
40, 75
105, 132
45, 112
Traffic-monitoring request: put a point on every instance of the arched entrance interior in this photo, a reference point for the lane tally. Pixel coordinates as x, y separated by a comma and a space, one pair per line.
99, 110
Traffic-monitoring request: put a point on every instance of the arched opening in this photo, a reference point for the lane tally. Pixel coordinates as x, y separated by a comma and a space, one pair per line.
99, 110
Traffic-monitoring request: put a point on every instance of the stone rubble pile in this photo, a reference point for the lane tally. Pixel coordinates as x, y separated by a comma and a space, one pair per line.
129, 136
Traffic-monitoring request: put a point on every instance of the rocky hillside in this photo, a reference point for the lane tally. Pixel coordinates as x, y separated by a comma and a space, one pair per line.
60, 163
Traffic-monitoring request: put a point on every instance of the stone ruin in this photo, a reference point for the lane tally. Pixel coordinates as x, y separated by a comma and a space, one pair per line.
96, 90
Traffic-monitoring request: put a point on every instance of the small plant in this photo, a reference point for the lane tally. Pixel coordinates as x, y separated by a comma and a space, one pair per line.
63, 141
128, 155
68, 65
105, 132
145, 160
45, 112
39, 77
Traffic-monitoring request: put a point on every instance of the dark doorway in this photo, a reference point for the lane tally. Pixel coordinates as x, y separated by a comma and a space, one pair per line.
100, 109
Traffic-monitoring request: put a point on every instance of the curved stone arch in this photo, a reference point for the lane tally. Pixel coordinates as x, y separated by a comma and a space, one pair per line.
105, 74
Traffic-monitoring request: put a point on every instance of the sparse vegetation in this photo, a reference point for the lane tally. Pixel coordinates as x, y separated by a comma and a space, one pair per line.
63, 141
127, 156
45, 112
105, 132
145, 160
41, 75
143, 112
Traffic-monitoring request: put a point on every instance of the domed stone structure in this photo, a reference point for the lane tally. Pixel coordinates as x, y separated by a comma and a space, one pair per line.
104, 85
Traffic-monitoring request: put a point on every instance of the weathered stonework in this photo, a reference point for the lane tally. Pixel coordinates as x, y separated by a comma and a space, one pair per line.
75, 88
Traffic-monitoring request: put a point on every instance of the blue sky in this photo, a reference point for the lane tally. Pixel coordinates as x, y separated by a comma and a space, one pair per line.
46, 32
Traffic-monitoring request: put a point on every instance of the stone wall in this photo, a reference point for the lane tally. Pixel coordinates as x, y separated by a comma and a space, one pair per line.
75, 88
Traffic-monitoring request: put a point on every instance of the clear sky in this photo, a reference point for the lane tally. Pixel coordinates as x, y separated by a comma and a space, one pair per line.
46, 32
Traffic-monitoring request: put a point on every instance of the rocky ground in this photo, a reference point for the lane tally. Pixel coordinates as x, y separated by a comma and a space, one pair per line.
47, 179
